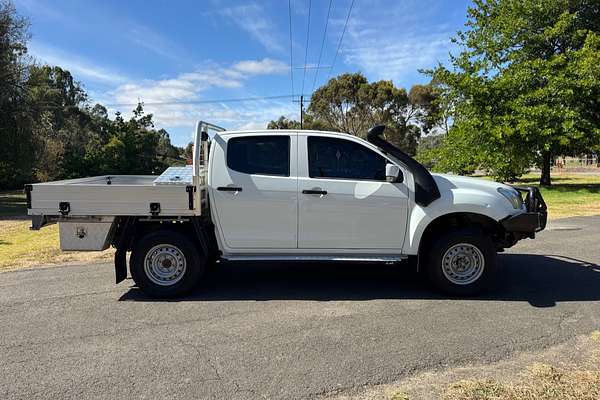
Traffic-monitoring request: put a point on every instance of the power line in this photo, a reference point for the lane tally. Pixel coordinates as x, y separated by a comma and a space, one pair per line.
291, 51
229, 100
322, 46
341, 37
306, 48
313, 67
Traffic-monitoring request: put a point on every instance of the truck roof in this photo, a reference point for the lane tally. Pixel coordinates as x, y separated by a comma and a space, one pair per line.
284, 131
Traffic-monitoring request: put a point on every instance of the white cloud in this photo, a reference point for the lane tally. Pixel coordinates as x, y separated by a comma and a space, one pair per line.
399, 45
78, 66
181, 118
253, 125
185, 93
393, 59
188, 86
266, 66
251, 18
168, 90
213, 78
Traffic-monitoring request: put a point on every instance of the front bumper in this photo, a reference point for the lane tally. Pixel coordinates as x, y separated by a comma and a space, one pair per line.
534, 219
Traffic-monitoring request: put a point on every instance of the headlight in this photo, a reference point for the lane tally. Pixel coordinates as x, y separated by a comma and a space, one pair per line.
512, 196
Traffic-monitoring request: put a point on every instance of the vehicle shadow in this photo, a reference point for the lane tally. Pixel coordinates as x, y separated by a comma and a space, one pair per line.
541, 280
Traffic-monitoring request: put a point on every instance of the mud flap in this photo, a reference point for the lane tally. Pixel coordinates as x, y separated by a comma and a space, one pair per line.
122, 243
120, 265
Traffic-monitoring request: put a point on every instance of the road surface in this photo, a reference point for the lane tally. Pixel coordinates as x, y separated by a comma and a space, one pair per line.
285, 331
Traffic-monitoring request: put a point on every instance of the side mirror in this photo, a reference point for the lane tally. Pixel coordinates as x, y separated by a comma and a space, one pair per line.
393, 174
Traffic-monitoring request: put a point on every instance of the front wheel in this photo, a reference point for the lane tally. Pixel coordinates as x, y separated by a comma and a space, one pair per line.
166, 264
461, 262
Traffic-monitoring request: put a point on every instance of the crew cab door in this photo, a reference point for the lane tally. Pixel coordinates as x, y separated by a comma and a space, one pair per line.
344, 199
254, 190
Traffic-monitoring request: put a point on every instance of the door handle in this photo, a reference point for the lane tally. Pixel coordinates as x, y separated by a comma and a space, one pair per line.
315, 191
229, 189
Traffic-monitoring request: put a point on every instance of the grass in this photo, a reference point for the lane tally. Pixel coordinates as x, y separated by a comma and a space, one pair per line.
540, 381
570, 194
399, 396
566, 371
21, 247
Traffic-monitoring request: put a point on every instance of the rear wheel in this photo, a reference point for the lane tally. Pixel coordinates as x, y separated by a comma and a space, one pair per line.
166, 264
461, 262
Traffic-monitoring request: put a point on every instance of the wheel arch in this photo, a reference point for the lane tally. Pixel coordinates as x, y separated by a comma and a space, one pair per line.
442, 223
131, 229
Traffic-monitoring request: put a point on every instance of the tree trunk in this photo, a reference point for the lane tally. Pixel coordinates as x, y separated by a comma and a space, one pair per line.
546, 161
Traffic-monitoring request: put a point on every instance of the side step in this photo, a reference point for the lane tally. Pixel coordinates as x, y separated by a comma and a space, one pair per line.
335, 258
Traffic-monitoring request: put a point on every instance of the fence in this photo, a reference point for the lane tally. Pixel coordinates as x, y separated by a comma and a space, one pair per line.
591, 161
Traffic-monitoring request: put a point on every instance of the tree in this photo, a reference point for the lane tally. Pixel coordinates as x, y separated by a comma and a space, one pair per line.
49, 131
284, 123
188, 152
61, 124
134, 146
526, 85
169, 154
16, 144
350, 104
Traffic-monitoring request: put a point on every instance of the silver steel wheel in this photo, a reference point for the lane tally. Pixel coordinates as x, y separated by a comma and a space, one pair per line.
463, 264
164, 264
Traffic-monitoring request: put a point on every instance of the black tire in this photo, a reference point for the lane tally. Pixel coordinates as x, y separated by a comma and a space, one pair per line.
443, 278
195, 264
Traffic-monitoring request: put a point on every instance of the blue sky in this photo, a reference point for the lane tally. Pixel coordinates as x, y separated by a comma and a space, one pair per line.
189, 51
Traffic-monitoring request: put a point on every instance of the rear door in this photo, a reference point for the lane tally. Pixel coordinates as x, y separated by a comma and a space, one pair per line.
254, 189
344, 199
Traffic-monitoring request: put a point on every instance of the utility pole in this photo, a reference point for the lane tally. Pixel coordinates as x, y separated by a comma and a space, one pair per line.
301, 111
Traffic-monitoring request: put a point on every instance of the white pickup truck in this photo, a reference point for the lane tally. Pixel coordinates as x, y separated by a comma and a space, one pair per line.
278, 195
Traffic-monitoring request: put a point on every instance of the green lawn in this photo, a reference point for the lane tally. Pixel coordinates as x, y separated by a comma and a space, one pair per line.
21, 247
570, 194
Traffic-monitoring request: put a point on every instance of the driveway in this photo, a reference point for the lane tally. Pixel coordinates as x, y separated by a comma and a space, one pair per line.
285, 331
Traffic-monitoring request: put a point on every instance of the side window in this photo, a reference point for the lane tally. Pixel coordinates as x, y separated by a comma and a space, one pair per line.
265, 155
343, 159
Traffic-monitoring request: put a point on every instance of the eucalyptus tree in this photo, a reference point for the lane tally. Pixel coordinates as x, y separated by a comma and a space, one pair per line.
350, 103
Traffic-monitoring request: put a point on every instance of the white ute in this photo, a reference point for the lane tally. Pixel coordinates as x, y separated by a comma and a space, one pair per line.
280, 195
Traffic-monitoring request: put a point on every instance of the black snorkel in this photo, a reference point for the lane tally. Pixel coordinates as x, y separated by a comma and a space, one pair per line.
426, 190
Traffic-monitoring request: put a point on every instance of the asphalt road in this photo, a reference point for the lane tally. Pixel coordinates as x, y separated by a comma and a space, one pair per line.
285, 331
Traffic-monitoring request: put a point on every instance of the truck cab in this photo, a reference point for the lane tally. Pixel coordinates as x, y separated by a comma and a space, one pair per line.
294, 195
305, 193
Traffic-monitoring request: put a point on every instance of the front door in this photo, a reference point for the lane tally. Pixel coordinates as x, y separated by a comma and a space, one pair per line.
344, 199
256, 195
